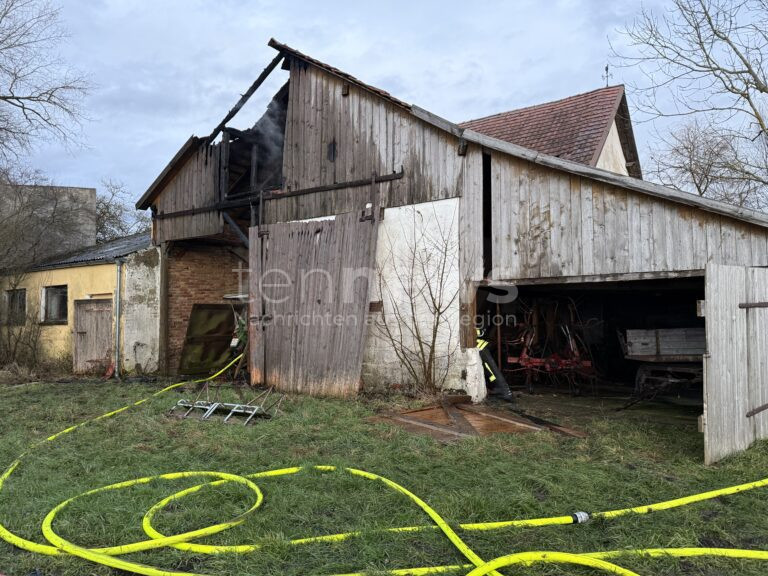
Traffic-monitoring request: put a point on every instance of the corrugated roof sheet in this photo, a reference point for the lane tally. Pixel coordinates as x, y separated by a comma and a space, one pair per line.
573, 128
106, 252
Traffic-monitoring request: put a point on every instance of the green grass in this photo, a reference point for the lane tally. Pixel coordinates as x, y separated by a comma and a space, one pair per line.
632, 458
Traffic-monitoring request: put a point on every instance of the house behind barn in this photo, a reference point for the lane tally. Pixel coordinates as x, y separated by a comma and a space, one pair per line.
42, 221
339, 184
96, 308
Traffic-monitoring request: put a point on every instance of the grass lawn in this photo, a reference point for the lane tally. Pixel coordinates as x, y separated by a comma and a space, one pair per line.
628, 459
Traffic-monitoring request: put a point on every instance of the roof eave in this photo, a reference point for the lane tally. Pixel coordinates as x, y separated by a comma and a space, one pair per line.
146, 199
627, 182
68, 260
43, 268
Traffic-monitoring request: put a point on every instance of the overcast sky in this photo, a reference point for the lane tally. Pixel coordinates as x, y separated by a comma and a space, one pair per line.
166, 69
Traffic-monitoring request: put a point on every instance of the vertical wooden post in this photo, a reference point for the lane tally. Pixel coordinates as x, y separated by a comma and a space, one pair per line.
467, 312
255, 310
223, 166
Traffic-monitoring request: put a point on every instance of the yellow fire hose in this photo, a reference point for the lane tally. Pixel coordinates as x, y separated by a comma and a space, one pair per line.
476, 566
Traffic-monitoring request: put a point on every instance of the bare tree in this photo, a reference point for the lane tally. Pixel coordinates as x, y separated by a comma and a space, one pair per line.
418, 285
714, 163
38, 220
706, 59
39, 94
19, 328
115, 214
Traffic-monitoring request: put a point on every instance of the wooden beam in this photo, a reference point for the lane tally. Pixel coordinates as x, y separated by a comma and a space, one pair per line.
236, 229
248, 93
338, 186
427, 425
437, 121
593, 278
748, 305
757, 411
203, 209
505, 418
270, 195
223, 190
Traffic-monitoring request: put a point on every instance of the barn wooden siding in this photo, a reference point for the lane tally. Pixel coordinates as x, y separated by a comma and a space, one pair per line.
194, 186
369, 135
308, 323
736, 365
550, 224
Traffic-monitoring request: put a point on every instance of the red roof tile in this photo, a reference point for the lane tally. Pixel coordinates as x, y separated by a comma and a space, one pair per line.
573, 128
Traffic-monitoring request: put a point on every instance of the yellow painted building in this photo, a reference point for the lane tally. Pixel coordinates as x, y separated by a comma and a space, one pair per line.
83, 282
70, 306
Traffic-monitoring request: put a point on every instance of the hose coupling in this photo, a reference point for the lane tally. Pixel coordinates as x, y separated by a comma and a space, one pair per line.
580, 517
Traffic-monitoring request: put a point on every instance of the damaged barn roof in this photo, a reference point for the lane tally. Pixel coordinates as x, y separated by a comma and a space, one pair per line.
100, 253
470, 134
543, 159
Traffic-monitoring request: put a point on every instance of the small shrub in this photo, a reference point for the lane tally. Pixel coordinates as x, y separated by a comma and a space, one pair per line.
13, 374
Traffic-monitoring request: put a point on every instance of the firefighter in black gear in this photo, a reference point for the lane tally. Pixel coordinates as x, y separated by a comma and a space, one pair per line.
494, 379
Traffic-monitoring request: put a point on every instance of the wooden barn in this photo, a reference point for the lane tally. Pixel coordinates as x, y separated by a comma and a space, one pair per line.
363, 219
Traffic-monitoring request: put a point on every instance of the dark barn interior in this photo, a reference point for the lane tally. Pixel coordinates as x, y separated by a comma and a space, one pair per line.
641, 340
255, 161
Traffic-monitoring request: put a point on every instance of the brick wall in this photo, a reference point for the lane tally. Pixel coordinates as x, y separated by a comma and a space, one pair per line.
197, 275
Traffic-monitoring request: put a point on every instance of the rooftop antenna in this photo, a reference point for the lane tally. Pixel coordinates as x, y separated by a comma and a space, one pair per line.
607, 74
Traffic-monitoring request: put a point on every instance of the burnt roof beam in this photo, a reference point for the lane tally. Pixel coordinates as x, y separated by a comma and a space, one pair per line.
245, 97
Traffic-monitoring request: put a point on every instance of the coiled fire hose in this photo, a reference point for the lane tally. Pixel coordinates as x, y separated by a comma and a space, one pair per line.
111, 556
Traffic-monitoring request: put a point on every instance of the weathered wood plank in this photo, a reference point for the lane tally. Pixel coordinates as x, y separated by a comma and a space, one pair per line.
314, 340
592, 226
757, 342
470, 212
194, 185
726, 386
587, 229
255, 303
575, 236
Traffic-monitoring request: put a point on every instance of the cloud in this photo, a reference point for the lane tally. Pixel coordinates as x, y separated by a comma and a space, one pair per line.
165, 70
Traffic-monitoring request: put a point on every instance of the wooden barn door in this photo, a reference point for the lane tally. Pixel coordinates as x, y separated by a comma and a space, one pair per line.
309, 302
92, 346
736, 363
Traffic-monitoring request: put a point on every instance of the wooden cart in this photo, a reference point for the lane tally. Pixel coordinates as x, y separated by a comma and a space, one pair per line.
668, 357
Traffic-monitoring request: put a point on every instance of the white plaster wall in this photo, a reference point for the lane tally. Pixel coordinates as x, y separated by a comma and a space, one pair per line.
140, 349
421, 234
612, 155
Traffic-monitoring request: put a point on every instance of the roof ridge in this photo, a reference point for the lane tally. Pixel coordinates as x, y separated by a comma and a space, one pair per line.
542, 104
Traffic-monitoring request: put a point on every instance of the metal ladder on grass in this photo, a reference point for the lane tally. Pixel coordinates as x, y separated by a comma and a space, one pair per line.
259, 407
